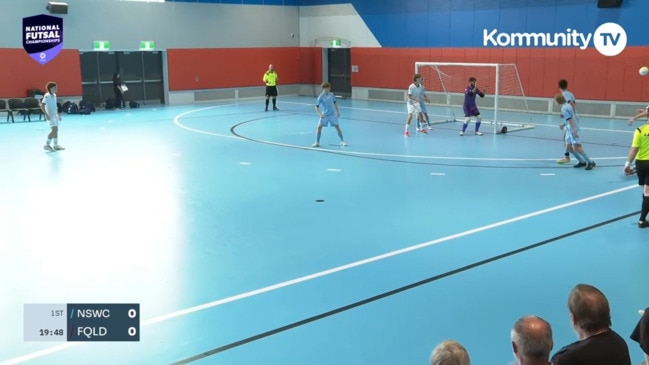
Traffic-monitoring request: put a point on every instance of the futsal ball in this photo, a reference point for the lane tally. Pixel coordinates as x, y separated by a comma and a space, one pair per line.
644, 70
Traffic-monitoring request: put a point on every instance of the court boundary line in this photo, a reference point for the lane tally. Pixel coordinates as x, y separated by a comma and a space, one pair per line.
392, 292
340, 268
234, 135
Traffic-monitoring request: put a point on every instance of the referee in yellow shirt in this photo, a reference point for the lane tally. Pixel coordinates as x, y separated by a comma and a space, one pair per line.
270, 79
640, 153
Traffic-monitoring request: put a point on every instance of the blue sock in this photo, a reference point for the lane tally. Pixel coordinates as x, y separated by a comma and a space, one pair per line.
464, 127
340, 134
318, 137
477, 126
585, 156
578, 156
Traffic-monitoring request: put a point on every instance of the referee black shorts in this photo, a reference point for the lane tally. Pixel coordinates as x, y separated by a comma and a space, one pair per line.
271, 90
642, 170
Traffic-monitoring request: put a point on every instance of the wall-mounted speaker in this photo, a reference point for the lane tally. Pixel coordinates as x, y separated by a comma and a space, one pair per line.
57, 8
609, 3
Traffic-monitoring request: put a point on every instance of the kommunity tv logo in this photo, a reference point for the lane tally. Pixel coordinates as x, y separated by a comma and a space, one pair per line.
609, 39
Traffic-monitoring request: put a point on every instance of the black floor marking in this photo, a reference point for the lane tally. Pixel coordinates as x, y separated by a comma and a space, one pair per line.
394, 291
366, 157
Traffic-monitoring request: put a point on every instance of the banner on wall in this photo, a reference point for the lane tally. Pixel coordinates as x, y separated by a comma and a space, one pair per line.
609, 39
43, 37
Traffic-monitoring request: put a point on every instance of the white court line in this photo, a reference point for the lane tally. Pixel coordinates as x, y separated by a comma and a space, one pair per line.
486, 122
437, 173
351, 153
244, 163
547, 174
334, 170
334, 270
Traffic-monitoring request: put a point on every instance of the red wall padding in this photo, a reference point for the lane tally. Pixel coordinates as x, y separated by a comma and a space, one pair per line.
241, 67
590, 75
20, 72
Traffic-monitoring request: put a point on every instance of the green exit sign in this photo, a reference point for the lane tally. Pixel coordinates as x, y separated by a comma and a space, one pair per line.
147, 46
101, 45
335, 42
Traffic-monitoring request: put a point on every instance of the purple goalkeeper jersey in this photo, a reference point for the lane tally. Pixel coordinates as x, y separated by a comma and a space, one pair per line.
469, 96
470, 107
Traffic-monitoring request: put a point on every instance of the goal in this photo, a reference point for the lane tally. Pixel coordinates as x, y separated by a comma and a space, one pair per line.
504, 104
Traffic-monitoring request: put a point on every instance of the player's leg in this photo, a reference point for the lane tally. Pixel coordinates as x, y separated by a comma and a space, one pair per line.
424, 116
572, 142
274, 95
411, 110
467, 119
580, 149
420, 121
566, 153
643, 180
267, 97
318, 133
478, 121
55, 138
340, 132
50, 136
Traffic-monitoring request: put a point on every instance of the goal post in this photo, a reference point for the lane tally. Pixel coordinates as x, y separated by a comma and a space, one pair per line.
504, 100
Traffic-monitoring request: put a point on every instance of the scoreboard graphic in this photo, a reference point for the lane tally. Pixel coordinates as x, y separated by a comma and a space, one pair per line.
82, 322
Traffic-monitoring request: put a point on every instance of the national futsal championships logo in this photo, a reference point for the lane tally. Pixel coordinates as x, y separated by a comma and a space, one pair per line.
43, 37
609, 39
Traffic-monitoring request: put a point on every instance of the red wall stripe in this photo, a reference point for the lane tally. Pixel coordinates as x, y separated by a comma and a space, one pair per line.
213, 68
590, 75
20, 72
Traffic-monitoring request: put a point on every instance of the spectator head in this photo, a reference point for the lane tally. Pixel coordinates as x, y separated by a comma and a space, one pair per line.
532, 340
589, 309
450, 352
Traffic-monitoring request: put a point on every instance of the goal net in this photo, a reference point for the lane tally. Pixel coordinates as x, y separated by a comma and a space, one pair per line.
504, 104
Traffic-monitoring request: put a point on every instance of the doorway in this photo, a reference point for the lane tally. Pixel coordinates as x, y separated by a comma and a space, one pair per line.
339, 62
141, 71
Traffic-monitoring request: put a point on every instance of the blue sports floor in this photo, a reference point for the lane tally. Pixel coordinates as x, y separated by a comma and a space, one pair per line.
209, 217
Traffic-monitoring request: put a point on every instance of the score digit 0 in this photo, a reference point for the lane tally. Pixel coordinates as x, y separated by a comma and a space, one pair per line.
132, 331
132, 313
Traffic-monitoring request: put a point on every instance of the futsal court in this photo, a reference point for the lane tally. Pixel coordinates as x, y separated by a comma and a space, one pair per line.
244, 245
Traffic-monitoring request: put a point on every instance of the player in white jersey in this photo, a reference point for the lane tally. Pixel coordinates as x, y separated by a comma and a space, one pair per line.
413, 104
50, 109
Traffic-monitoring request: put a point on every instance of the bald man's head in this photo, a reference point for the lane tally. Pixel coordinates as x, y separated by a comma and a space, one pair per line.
532, 338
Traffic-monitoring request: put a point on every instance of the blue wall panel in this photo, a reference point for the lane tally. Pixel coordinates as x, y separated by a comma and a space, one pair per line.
460, 23
243, 2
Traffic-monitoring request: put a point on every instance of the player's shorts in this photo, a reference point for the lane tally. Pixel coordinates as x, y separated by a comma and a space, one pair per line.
422, 106
54, 122
471, 111
571, 139
642, 170
329, 120
414, 108
271, 90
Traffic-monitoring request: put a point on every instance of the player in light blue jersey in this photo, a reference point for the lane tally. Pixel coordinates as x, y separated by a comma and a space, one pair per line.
423, 99
570, 99
573, 143
327, 109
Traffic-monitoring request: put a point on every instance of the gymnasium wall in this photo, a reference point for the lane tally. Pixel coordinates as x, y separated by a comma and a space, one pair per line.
453, 31
210, 68
248, 36
229, 43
